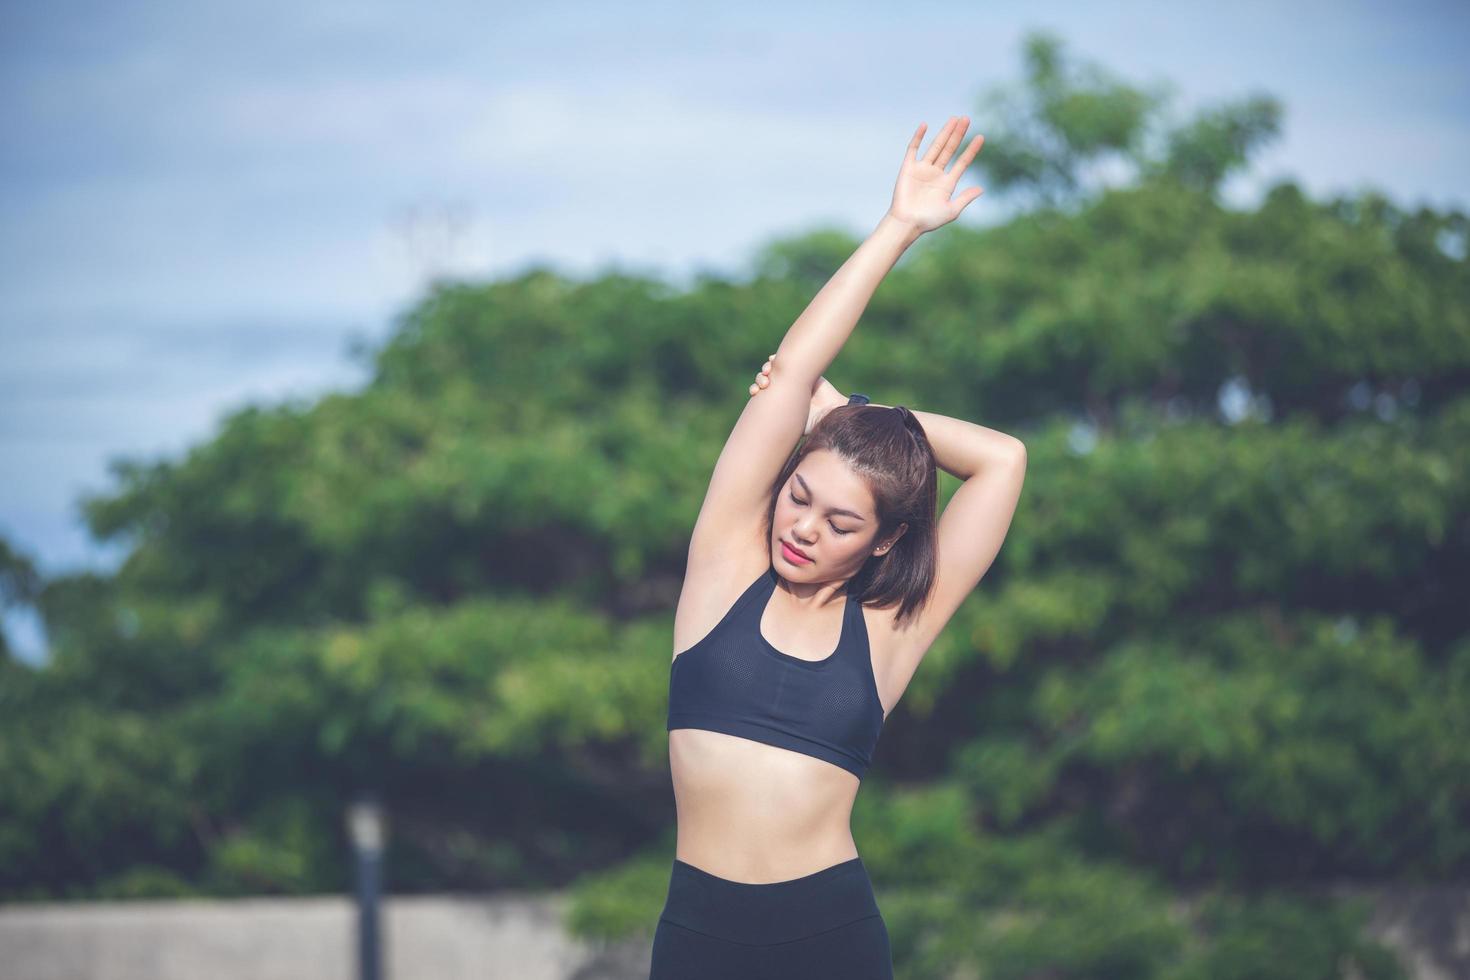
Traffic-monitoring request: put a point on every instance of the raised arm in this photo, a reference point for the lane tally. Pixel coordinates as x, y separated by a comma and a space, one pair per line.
812, 342
768, 428
992, 465
921, 202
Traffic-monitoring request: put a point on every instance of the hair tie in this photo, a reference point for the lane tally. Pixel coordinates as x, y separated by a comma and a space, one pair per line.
910, 423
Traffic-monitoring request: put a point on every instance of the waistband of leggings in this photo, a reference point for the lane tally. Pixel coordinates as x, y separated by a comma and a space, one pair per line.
766, 913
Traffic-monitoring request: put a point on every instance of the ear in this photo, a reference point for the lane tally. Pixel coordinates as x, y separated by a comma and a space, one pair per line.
882, 549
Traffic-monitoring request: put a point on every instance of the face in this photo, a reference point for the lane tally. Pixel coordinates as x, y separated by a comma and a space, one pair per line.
826, 511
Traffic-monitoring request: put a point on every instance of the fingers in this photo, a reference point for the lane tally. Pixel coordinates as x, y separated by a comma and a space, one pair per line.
913, 151
942, 150
763, 379
965, 199
968, 158
939, 143
952, 142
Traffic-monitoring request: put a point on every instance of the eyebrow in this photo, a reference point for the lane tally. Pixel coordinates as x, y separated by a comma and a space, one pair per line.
835, 510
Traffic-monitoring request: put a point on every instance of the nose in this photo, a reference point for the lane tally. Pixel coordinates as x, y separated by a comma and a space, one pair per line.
801, 533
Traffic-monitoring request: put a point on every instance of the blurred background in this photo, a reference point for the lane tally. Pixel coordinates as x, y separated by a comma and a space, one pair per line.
362, 368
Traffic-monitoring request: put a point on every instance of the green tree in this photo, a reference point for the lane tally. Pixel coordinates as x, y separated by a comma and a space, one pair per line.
1222, 662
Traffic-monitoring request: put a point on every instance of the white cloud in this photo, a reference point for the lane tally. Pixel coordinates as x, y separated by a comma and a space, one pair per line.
184, 184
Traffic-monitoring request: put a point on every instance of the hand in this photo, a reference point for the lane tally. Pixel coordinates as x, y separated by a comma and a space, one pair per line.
922, 196
824, 396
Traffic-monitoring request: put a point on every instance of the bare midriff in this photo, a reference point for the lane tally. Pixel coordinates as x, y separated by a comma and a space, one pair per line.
757, 813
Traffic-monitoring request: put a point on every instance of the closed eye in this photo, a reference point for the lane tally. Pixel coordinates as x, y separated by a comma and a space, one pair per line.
839, 530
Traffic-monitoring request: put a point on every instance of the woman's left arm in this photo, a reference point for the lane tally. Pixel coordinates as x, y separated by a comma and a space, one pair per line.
965, 449
962, 449
974, 523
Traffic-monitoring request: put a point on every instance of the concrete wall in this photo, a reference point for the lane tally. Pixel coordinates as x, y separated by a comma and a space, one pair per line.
485, 938
423, 938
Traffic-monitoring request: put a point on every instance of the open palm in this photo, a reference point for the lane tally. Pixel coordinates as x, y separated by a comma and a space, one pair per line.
922, 196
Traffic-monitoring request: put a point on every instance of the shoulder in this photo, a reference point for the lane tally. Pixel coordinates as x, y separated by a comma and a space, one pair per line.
711, 589
890, 648
883, 636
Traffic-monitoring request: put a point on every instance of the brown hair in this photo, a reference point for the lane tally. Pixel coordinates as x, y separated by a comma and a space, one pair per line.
888, 449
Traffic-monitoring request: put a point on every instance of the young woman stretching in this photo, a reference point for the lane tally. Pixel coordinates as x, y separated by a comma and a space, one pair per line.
817, 578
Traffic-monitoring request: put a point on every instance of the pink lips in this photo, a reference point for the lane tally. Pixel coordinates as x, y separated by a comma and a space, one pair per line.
794, 556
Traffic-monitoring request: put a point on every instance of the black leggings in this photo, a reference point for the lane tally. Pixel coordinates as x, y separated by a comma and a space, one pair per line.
825, 924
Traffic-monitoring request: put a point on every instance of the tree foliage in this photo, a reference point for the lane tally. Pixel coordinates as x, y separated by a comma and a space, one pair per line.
1222, 661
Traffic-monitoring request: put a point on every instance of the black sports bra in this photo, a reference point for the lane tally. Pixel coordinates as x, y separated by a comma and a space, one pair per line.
734, 681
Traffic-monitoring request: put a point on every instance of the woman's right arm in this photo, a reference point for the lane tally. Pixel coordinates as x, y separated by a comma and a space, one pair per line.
769, 427
921, 203
812, 343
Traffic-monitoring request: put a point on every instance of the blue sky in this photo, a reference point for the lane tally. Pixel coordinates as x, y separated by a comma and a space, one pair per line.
203, 204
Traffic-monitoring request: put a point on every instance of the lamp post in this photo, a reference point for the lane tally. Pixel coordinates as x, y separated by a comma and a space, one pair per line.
365, 825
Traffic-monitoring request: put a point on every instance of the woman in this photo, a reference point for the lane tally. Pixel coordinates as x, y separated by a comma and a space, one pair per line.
790, 658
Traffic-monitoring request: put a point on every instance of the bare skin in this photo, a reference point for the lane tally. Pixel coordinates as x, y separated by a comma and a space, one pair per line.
756, 813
